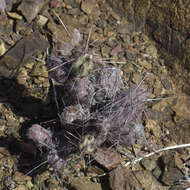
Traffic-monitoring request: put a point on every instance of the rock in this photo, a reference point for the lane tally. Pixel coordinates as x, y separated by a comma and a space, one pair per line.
84, 184
21, 187
182, 133
149, 164
19, 177
122, 179
157, 172
182, 108
39, 70
56, 4
22, 77
88, 6
109, 158
30, 8
40, 135
14, 15
42, 20
105, 50
19, 54
171, 176
20, 27
116, 50
154, 128
83, 19
126, 27
2, 5
2, 48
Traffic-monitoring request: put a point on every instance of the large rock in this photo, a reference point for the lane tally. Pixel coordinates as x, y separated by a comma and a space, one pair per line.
20, 53
31, 8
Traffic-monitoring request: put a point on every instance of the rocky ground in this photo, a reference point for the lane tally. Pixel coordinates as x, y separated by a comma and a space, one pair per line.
29, 28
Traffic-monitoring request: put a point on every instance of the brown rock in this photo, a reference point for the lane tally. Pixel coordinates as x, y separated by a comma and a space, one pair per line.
14, 15
171, 176
21, 187
19, 177
84, 184
122, 179
21, 53
2, 48
116, 50
42, 20
2, 5
88, 6
108, 158
30, 8
182, 108
91, 8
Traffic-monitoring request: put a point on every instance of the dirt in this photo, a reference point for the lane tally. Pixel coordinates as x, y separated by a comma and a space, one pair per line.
28, 29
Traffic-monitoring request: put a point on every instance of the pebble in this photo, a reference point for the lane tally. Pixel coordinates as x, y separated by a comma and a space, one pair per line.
42, 20
30, 9
14, 15
2, 48
21, 187
88, 6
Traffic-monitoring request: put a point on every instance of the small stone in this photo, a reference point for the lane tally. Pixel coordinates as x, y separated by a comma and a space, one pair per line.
29, 184
154, 128
121, 179
31, 8
116, 50
14, 15
42, 20
149, 164
40, 71
152, 51
68, 6
83, 19
171, 176
126, 27
88, 6
108, 158
115, 15
40, 135
21, 187
56, 4
2, 5
80, 183
98, 37
2, 48
19, 177
30, 65
182, 108
157, 172
74, 11
105, 50
22, 77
